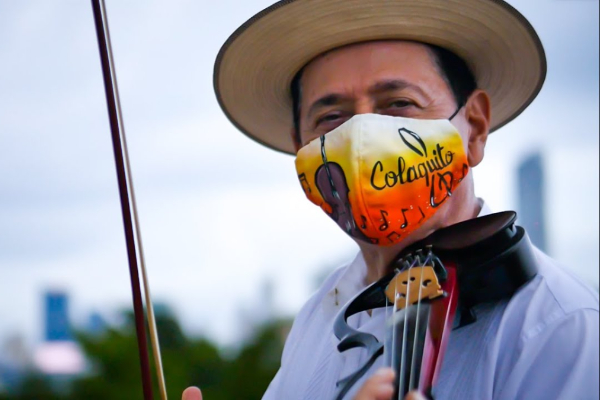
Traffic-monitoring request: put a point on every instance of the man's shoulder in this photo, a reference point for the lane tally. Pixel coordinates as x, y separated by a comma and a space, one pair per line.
327, 289
564, 289
547, 338
310, 319
553, 296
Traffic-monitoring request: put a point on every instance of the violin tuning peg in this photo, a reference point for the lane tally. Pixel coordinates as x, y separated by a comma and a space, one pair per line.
419, 256
429, 249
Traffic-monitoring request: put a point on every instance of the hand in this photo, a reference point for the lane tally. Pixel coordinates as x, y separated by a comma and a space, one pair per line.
381, 387
414, 396
378, 387
193, 393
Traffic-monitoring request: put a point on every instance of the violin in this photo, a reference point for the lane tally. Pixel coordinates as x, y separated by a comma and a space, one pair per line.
433, 286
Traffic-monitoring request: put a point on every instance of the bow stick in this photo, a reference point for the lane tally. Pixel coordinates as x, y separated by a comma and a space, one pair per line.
133, 237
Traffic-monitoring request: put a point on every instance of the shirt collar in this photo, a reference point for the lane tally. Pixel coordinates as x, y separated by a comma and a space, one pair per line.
352, 280
485, 209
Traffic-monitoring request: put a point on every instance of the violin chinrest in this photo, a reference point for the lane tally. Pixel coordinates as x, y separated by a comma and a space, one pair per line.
474, 231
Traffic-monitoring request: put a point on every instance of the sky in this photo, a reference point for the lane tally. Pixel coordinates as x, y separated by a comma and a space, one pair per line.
228, 234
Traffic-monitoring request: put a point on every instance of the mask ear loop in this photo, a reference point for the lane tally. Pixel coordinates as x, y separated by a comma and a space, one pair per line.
456, 112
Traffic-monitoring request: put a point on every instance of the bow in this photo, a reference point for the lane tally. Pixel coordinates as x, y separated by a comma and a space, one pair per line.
480, 260
131, 226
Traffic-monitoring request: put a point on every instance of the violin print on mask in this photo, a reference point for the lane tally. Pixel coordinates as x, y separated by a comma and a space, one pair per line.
381, 177
333, 188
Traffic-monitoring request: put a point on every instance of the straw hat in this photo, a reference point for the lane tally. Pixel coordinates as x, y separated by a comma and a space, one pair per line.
255, 66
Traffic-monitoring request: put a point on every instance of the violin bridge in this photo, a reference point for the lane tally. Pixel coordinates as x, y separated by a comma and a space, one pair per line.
412, 285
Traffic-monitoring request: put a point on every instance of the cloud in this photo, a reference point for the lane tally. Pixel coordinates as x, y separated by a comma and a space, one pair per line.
220, 213
569, 33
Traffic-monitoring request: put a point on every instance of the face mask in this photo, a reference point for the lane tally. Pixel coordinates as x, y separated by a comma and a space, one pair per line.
380, 177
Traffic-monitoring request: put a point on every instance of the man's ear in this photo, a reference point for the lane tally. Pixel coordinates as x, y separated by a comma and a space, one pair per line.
295, 137
478, 116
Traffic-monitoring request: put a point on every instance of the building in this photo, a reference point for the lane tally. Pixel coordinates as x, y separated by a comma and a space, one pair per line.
56, 317
58, 354
531, 204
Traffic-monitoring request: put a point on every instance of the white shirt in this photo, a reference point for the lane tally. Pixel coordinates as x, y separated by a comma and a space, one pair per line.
540, 344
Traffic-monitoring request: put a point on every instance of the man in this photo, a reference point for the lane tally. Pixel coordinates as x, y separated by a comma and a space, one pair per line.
378, 99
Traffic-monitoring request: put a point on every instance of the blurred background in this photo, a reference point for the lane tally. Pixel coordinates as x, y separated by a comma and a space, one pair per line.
233, 247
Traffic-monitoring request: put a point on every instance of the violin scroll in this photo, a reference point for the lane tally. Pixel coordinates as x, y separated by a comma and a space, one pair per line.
482, 260
412, 285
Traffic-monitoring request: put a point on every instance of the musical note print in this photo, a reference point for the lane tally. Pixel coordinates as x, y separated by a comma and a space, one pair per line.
444, 182
393, 237
385, 224
304, 183
465, 170
405, 223
422, 215
363, 222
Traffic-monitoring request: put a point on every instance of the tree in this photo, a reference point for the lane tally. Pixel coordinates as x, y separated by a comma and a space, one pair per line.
114, 371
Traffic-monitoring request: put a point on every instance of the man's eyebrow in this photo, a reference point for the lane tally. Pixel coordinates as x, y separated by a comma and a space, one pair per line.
383, 86
395, 84
330, 99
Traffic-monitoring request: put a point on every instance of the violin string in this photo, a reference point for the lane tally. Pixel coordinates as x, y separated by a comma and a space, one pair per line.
411, 384
388, 337
149, 307
386, 360
402, 372
405, 330
395, 314
394, 355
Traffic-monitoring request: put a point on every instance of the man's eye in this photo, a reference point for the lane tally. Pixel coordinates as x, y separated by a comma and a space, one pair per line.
328, 118
399, 108
400, 104
329, 122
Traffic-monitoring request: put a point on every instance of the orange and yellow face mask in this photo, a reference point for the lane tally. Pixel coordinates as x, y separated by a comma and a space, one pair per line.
380, 177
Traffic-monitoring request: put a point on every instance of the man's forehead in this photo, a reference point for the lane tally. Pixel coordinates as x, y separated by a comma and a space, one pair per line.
392, 45
365, 63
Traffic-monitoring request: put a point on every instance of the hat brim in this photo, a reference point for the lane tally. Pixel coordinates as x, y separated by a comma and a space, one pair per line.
256, 65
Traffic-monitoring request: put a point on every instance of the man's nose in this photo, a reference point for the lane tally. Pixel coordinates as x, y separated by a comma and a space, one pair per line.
365, 106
